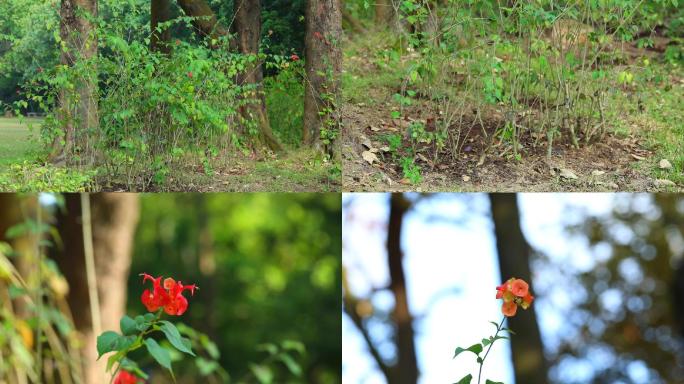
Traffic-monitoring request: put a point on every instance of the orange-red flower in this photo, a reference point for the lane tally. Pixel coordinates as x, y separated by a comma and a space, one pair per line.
170, 297
514, 292
294, 57
125, 377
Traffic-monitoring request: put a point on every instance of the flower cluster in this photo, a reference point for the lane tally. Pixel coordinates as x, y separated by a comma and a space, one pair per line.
294, 57
125, 377
514, 292
170, 297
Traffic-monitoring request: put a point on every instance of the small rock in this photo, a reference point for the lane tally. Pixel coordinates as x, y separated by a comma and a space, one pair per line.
369, 157
664, 183
597, 172
568, 174
465, 178
665, 164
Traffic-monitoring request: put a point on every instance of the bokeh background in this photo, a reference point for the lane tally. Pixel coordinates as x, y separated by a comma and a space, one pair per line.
268, 268
606, 270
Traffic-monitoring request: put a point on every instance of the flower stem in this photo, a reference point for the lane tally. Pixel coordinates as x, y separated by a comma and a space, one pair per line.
498, 329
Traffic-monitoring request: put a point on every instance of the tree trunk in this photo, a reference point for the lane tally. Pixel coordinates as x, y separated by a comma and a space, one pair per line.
406, 369
514, 261
114, 217
323, 66
247, 25
207, 23
77, 110
160, 12
384, 13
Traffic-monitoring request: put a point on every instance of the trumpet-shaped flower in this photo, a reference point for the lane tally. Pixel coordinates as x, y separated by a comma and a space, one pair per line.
170, 296
514, 293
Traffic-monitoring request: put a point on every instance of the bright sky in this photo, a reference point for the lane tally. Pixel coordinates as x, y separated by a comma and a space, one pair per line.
452, 272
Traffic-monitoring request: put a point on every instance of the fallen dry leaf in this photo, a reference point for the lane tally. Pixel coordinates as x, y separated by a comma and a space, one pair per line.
637, 157
568, 174
665, 164
597, 172
369, 157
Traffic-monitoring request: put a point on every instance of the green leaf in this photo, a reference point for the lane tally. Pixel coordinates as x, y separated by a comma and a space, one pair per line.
142, 323
291, 364
111, 341
159, 354
493, 382
174, 337
128, 326
292, 345
132, 366
475, 348
262, 373
466, 379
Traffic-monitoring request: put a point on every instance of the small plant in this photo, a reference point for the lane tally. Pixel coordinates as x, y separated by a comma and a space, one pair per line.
411, 170
514, 293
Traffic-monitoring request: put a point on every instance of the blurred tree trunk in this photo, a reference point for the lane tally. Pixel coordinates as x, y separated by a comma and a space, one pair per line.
384, 13
160, 12
114, 217
406, 368
77, 110
323, 68
247, 25
514, 261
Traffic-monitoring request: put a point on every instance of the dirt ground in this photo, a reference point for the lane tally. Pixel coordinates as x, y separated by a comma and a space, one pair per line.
616, 163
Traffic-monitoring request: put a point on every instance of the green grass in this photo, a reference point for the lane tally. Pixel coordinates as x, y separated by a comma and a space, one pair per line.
16, 144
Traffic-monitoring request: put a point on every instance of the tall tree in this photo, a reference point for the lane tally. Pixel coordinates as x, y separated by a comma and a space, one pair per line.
113, 221
247, 25
514, 261
323, 67
77, 107
160, 12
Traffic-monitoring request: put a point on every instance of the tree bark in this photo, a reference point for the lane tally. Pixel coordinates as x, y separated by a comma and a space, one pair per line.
247, 25
384, 13
323, 67
406, 369
77, 110
160, 12
514, 261
207, 24
114, 217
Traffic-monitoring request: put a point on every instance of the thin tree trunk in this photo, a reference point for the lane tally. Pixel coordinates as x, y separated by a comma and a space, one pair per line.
323, 67
160, 12
247, 25
514, 261
406, 369
114, 217
78, 108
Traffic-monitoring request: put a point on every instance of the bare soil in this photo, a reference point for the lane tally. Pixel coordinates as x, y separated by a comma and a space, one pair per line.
481, 162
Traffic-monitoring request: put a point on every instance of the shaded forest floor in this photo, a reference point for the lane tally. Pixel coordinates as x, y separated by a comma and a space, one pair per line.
297, 170
627, 159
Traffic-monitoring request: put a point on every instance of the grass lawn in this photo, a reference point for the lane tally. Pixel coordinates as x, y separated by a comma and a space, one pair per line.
15, 140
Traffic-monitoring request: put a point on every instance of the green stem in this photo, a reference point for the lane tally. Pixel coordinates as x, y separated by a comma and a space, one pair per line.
498, 329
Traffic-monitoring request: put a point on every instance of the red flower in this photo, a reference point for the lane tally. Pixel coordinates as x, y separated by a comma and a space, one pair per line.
294, 57
170, 297
190, 75
125, 377
514, 292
